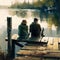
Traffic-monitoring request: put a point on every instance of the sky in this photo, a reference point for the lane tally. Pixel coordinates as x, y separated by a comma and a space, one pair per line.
6, 2
10, 2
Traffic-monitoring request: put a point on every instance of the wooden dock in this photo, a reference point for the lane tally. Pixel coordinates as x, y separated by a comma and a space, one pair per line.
47, 48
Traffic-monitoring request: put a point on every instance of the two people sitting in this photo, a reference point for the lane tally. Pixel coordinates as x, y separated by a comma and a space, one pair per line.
35, 30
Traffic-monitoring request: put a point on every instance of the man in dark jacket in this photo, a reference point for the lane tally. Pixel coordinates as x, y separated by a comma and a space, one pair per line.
35, 28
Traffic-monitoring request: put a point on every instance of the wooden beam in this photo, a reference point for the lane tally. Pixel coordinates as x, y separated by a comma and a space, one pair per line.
9, 28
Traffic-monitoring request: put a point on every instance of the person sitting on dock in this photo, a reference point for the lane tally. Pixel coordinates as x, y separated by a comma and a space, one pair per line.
35, 29
23, 30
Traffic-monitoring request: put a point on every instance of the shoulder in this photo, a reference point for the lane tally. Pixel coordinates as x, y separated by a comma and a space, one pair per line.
38, 24
20, 25
32, 24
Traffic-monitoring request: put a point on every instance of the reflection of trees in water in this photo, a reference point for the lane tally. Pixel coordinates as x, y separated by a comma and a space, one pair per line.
21, 13
18, 12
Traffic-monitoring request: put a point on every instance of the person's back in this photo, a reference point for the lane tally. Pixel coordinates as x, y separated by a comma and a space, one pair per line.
23, 30
35, 28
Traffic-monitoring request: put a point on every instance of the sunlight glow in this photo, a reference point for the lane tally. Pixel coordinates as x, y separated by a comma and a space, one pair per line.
10, 2
53, 27
3, 16
5, 2
44, 24
21, 1
15, 22
41, 0
35, 0
26, 1
31, 1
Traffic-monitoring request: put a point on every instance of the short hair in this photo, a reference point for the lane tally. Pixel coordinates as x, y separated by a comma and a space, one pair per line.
24, 21
35, 19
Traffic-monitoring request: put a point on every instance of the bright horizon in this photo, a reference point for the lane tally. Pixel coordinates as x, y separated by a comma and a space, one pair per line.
5, 2
10, 2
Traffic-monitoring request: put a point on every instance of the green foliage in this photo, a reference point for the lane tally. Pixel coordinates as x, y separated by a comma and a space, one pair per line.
49, 3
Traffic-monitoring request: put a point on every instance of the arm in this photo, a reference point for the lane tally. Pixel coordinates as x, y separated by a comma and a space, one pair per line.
19, 30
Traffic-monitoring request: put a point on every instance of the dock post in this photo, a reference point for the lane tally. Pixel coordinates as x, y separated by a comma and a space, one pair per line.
9, 28
13, 49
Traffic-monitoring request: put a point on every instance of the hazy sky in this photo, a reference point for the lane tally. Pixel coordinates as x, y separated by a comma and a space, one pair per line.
10, 2
6, 2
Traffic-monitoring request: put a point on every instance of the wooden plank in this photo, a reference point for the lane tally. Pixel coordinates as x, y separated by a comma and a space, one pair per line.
15, 36
37, 47
52, 55
27, 58
44, 39
38, 41
53, 43
37, 53
53, 51
31, 53
55, 46
30, 42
